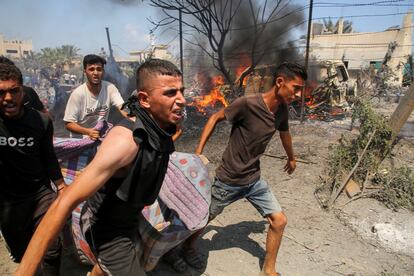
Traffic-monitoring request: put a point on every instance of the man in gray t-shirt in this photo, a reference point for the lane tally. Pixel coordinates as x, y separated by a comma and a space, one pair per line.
91, 101
255, 119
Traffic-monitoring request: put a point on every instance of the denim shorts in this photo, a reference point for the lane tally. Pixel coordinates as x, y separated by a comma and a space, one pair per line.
257, 193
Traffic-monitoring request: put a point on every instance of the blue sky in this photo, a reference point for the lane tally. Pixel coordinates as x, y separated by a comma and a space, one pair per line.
52, 23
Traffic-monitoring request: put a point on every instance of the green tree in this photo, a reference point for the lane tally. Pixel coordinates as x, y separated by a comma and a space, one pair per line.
31, 62
58, 57
49, 57
332, 27
67, 53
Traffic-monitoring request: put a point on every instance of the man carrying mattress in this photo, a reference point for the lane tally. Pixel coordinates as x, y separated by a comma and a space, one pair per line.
255, 119
125, 175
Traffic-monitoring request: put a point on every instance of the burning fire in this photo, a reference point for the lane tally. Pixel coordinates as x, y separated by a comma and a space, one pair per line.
240, 69
210, 100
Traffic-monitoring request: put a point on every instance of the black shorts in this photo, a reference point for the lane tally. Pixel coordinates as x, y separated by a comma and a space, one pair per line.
118, 249
19, 219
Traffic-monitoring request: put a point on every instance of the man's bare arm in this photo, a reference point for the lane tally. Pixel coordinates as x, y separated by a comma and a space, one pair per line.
209, 128
75, 127
286, 139
60, 185
177, 134
117, 150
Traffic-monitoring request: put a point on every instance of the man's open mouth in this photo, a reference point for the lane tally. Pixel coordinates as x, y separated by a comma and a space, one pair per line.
10, 107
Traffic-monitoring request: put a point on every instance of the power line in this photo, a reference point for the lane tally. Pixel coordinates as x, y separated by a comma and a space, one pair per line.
318, 18
347, 46
378, 3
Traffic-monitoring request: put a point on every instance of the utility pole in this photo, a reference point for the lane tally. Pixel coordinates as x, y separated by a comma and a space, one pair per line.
302, 110
111, 53
181, 41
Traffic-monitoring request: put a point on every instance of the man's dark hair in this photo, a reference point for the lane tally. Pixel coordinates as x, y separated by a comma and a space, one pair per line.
3, 59
92, 59
10, 72
290, 71
155, 67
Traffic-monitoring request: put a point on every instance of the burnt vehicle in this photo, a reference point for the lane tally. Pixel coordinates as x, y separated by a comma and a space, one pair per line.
328, 93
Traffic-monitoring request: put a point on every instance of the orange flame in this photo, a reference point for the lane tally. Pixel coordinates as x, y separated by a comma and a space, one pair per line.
210, 100
245, 63
240, 69
313, 117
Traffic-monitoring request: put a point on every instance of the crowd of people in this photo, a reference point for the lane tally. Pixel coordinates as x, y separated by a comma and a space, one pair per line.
128, 170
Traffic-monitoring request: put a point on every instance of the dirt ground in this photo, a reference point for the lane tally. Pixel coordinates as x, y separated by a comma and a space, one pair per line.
359, 239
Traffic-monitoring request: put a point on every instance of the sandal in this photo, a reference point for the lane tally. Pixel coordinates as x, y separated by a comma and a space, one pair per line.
175, 261
193, 258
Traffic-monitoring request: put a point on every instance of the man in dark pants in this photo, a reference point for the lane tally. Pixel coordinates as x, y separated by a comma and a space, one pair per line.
27, 166
255, 119
125, 175
31, 99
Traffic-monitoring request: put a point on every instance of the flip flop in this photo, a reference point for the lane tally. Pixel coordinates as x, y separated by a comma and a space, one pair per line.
193, 258
175, 261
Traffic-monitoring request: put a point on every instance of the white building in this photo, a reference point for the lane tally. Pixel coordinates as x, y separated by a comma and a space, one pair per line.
158, 51
360, 50
15, 48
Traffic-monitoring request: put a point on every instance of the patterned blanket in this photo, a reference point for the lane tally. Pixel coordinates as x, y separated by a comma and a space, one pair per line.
180, 210
74, 154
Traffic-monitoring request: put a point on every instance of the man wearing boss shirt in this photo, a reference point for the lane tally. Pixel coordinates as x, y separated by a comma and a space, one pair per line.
31, 99
27, 166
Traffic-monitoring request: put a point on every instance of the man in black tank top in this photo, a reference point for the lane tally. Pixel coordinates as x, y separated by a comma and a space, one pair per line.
126, 174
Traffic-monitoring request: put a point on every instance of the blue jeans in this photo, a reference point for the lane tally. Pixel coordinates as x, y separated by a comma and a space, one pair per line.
257, 193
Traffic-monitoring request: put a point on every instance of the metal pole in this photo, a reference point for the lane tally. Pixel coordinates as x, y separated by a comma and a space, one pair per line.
181, 42
111, 53
302, 110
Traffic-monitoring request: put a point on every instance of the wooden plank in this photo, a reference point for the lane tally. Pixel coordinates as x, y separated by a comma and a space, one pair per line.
352, 189
402, 112
335, 193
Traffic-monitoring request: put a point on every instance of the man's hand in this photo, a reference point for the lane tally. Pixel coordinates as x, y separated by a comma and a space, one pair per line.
203, 159
290, 166
198, 151
93, 134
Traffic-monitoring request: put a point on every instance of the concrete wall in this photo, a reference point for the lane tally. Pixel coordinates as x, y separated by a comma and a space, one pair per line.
15, 48
359, 49
159, 51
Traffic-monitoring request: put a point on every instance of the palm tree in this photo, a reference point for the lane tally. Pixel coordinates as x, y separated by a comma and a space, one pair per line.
58, 57
31, 61
329, 25
68, 53
333, 28
49, 56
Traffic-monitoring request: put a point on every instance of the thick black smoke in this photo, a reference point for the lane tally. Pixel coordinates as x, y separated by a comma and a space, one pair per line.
272, 42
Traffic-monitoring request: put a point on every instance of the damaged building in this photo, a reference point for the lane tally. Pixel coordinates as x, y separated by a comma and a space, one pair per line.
361, 50
15, 48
